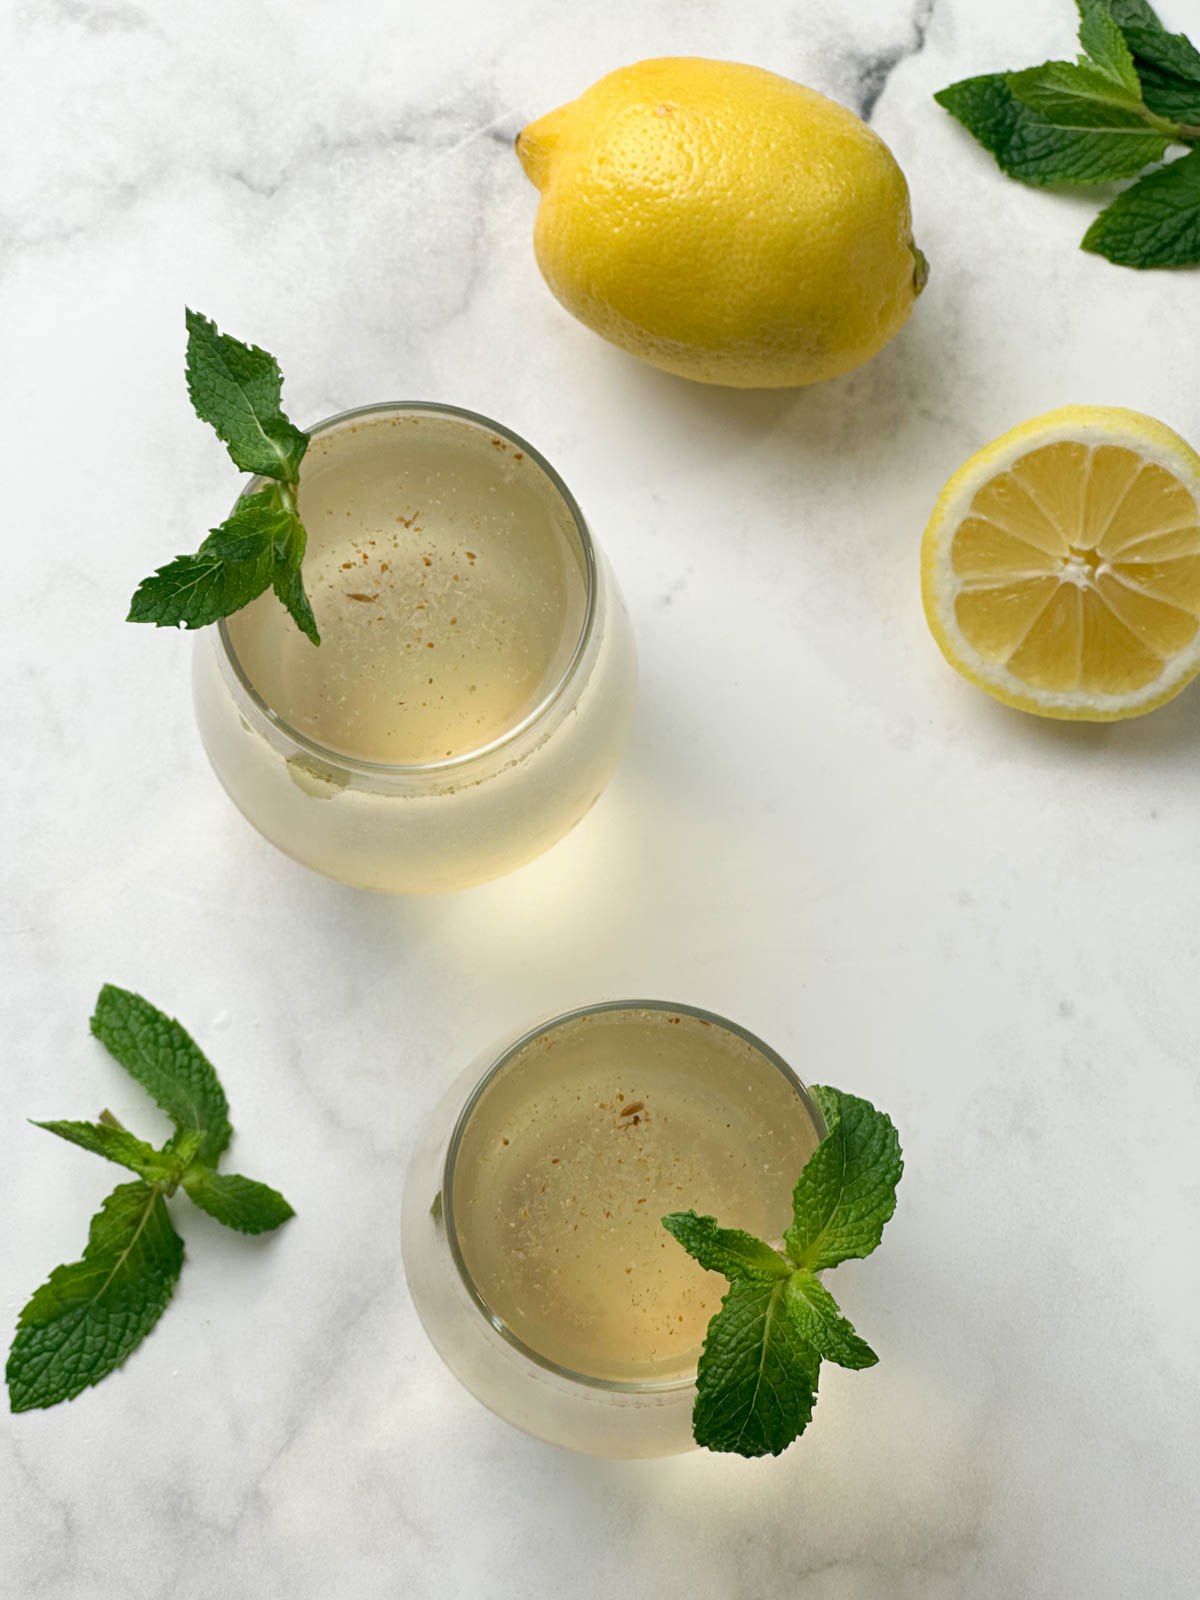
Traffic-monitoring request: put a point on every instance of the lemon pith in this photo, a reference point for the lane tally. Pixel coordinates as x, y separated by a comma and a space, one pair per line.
723, 223
1060, 570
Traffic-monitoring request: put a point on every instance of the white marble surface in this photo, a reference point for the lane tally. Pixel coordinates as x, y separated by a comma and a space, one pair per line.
983, 922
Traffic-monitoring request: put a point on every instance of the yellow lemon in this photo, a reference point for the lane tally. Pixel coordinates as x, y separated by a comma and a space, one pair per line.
1061, 568
723, 223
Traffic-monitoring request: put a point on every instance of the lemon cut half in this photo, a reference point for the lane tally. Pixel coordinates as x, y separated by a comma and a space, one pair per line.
1060, 570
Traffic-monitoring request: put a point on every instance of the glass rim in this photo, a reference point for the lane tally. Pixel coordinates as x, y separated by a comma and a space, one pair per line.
337, 758
630, 1386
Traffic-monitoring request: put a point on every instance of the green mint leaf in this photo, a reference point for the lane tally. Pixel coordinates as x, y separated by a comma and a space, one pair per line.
1033, 150
288, 579
1106, 46
1172, 96
87, 1317
757, 1378
232, 567
1080, 97
819, 1323
1149, 39
236, 388
1156, 222
237, 1202
161, 1055
1177, 99
729, 1251
847, 1191
115, 1144
1168, 64
289, 587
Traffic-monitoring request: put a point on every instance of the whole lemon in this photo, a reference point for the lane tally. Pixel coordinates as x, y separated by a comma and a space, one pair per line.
723, 223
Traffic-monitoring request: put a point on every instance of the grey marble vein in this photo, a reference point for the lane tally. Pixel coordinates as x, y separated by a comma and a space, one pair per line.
873, 71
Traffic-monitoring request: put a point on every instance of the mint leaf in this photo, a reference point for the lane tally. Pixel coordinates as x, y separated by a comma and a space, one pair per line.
161, 1055
1030, 148
1168, 64
1150, 40
729, 1251
847, 1191
232, 567
237, 1202
1080, 97
87, 1317
1177, 99
288, 580
115, 1144
1156, 222
1107, 47
236, 388
819, 1323
756, 1383
289, 587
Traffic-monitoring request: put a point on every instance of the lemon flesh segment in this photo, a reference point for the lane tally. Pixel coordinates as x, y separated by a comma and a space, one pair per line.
1061, 569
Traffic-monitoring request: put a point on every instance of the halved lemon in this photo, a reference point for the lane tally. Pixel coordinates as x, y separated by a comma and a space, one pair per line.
1061, 567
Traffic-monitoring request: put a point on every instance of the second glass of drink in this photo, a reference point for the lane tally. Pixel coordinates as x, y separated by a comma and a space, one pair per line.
532, 1227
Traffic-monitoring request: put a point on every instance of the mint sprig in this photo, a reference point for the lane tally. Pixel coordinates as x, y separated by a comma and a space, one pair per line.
90, 1314
756, 1383
237, 389
1118, 108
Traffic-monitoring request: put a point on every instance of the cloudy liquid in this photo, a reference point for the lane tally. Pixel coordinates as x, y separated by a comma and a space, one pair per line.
448, 586
578, 1147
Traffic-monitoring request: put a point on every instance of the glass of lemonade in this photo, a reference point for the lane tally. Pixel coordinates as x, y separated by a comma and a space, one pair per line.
532, 1238
473, 689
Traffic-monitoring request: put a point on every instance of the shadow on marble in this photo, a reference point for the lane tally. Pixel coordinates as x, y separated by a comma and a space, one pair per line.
844, 420
859, 1503
1166, 738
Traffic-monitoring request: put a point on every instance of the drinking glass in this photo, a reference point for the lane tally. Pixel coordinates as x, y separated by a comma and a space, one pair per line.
303, 742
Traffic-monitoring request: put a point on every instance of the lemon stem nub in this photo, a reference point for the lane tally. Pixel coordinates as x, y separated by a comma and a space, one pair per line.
533, 152
920, 269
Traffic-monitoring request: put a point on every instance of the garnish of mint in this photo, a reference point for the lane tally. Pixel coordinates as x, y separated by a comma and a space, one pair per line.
90, 1314
236, 387
757, 1379
1116, 109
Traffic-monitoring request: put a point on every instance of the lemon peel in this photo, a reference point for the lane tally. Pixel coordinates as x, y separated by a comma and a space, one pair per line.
723, 223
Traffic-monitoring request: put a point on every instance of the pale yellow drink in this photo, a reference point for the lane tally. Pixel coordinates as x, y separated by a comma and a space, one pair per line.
575, 1150
448, 586
473, 689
